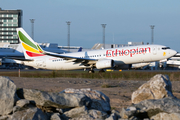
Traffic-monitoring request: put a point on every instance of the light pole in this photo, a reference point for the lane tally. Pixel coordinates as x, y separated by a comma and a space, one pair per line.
32, 22
68, 36
103, 25
152, 34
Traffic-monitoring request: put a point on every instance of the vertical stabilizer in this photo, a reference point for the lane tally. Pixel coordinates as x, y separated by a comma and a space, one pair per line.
30, 48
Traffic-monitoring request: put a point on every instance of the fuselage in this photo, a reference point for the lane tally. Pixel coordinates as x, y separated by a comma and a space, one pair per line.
120, 56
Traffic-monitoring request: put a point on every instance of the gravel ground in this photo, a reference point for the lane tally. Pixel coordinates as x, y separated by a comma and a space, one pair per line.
119, 91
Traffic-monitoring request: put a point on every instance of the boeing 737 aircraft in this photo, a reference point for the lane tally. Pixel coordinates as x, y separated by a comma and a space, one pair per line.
100, 59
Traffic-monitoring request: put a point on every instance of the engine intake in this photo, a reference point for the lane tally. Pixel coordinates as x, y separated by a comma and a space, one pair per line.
107, 63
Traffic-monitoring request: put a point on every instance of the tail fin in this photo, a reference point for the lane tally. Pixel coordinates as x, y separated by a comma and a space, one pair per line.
30, 48
80, 49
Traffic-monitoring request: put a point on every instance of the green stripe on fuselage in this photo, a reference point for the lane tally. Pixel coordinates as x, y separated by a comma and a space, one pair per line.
26, 40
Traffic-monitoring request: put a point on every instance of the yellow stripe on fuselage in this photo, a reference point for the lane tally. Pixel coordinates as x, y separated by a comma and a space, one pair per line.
28, 48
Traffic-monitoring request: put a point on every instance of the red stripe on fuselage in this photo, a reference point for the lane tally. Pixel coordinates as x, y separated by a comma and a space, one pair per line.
31, 54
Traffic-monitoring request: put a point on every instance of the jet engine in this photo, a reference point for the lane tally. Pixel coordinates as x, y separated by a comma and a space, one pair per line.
106, 63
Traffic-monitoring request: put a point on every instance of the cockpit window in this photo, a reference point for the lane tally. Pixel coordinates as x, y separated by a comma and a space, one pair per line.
164, 48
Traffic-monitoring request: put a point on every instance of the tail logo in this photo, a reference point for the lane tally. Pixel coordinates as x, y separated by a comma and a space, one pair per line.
31, 49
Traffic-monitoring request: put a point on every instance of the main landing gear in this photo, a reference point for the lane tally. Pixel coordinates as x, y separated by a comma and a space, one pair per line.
91, 71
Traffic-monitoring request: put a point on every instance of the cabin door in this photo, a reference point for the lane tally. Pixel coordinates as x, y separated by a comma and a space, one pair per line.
154, 50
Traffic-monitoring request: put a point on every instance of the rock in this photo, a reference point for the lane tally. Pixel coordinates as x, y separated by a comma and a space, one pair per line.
135, 118
123, 114
157, 87
96, 114
116, 113
7, 95
16, 108
99, 100
73, 113
84, 117
128, 113
113, 116
55, 116
29, 114
3, 117
59, 110
22, 103
83, 114
132, 118
151, 108
166, 116
47, 100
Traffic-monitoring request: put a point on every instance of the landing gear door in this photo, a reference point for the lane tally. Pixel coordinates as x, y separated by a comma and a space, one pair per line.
154, 50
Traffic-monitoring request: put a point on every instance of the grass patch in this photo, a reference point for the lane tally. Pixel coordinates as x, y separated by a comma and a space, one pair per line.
116, 75
108, 86
105, 86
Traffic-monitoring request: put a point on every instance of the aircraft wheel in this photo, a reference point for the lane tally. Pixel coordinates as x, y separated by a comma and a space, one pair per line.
91, 71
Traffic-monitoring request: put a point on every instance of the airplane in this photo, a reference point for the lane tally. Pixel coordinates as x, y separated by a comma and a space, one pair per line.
36, 57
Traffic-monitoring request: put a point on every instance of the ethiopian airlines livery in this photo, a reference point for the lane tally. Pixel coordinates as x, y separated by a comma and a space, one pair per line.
101, 59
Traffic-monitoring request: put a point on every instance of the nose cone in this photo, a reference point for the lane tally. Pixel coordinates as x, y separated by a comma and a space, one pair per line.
177, 55
173, 52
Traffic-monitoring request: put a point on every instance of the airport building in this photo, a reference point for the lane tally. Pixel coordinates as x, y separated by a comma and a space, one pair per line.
100, 45
9, 21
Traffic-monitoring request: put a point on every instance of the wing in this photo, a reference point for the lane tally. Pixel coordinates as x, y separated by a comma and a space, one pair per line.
84, 61
19, 58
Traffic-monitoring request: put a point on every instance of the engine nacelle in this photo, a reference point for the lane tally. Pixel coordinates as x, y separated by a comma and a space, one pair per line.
107, 63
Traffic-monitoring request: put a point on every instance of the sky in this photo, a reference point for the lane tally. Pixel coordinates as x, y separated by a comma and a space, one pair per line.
126, 21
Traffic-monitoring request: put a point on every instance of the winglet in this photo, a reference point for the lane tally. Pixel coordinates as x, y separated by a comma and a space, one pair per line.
30, 48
